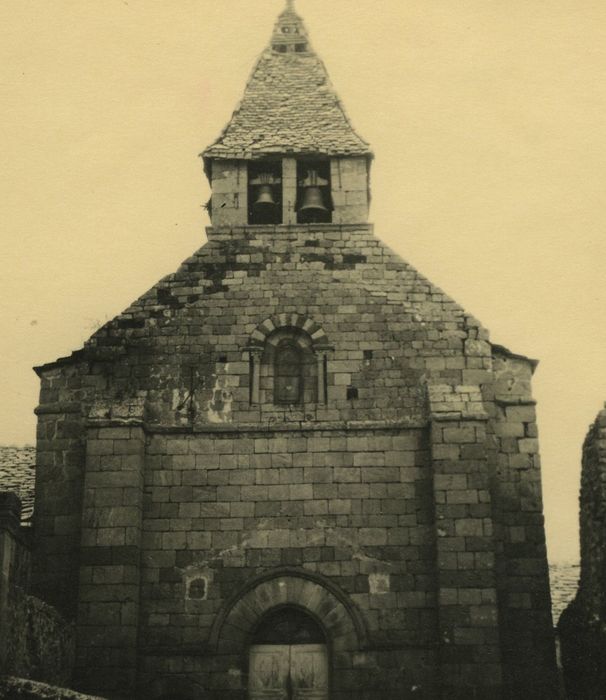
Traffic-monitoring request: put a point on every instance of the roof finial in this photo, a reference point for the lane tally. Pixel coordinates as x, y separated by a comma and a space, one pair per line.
290, 5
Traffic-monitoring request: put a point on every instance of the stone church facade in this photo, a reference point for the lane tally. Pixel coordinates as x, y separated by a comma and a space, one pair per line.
294, 468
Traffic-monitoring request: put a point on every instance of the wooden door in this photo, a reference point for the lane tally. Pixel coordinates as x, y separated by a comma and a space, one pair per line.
309, 672
268, 672
288, 672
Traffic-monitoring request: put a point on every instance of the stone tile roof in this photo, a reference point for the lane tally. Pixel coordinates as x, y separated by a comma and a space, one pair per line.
289, 106
17, 471
564, 578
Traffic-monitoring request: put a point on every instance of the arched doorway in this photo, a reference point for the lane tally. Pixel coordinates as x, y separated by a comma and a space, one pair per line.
288, 658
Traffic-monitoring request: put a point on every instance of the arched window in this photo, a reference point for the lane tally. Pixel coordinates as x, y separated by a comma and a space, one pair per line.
288, 364
288, 373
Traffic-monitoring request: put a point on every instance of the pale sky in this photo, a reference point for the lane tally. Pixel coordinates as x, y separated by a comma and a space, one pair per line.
487, 119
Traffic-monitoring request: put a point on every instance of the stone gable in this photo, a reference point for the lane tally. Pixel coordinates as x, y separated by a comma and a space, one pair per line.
363, 297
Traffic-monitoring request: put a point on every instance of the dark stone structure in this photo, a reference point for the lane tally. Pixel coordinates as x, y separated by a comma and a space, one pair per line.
35, 641
582, 626
12, 688
294, 465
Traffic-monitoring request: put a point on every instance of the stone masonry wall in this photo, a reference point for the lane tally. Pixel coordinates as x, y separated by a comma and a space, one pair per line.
184, 345
221, 508
350, 189
109, 581
354, 507
521, 556
408, 486
469, 622
186, 342
582, 626
35, 641
229, 183
60, 451
592, 588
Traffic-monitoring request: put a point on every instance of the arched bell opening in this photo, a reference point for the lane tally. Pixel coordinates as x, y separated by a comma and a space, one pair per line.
265, 192
288, 657
314, 201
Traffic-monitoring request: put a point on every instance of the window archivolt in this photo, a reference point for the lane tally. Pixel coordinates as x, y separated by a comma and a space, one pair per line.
288, 357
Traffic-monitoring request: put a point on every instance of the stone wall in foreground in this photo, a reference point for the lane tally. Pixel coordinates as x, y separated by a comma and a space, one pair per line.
13, 688
35, 641
582, 626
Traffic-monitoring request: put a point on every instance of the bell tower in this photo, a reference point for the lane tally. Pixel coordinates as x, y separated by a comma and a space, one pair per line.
289, 155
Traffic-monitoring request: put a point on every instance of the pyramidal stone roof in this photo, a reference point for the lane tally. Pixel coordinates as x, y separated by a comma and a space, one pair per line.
289, 105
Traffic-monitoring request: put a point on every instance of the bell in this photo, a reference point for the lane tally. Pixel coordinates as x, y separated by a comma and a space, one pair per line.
313, 200
265, 198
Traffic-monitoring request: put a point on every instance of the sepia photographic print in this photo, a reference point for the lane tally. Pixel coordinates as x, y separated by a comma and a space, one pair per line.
303, 353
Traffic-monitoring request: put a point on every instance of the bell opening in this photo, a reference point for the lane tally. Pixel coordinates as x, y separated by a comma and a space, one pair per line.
265, 192
314, 204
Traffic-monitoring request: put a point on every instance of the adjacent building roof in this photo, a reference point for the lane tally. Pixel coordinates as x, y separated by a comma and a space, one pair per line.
17, 471
564, 578
289, 105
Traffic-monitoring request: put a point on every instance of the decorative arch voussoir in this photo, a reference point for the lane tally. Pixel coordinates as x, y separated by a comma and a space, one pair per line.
236, 622
314, 330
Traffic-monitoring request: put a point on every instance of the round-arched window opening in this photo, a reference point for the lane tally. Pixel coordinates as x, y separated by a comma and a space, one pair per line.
288, 626
288, 373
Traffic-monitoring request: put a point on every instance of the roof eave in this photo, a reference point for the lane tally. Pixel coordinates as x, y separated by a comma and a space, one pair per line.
515, 356
76, 356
